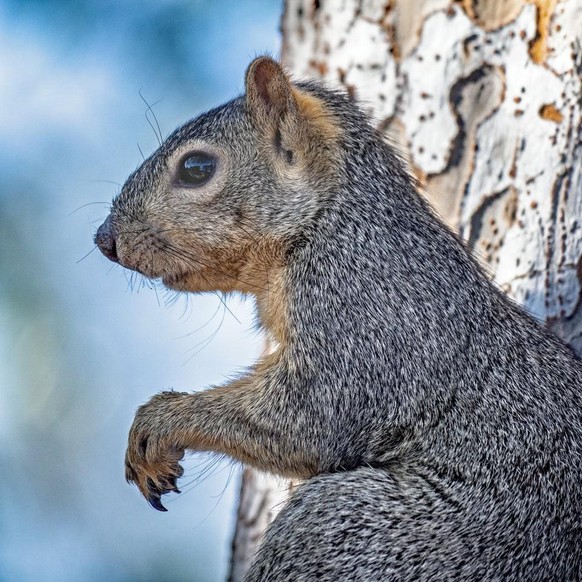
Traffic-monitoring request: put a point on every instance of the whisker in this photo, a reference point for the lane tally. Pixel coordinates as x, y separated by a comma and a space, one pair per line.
154, 287
85, 206
221, 494
171, 297
129, 280
206, 473
203, 344
157, 296
107, 182
222, 299
202, 326
255, 240
187, 307
149, 109
85, 256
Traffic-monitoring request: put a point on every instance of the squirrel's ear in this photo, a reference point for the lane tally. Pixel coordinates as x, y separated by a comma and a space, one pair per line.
269, 91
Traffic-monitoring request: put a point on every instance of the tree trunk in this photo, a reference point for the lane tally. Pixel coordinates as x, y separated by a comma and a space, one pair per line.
484, 100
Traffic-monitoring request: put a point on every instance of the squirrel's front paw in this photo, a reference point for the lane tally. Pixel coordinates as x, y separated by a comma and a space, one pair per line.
154, 449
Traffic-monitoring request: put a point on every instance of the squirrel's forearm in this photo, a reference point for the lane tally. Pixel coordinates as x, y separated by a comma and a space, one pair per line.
250, 419
242, 420
221, 422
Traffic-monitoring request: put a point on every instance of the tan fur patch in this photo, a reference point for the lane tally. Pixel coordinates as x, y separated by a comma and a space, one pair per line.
272, 306
312, 133
317, 114
251, 265
266, 270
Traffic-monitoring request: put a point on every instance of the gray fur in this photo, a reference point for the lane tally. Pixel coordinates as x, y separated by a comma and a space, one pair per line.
466, 412
439, 426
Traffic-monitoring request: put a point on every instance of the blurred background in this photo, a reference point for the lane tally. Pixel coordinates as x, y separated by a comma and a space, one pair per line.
82, 343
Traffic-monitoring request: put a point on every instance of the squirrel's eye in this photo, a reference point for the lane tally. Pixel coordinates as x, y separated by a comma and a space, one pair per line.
197, 168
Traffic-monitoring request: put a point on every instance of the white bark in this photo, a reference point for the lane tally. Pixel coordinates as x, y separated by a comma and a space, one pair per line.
484, 99
261, 498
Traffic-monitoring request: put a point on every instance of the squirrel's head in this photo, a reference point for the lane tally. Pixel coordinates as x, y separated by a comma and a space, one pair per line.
218, 204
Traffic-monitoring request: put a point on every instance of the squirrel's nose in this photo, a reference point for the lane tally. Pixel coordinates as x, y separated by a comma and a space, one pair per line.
105, 240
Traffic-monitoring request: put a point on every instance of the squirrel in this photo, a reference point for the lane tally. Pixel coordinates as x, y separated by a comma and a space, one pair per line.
436, 426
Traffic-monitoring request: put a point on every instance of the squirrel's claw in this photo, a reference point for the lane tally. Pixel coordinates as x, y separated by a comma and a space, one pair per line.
167, 485
156, 503
174, 485
154, 496
154, 493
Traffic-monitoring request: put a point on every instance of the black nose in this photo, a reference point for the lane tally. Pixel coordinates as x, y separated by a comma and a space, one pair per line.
105, 240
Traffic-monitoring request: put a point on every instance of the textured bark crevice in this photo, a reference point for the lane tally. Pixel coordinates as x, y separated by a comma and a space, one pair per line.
484, 100
261, 498
473, 99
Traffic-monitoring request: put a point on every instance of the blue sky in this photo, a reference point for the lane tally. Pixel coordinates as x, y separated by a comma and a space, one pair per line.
82, 344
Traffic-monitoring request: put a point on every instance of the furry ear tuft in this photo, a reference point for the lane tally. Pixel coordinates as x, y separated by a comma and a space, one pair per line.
269, 91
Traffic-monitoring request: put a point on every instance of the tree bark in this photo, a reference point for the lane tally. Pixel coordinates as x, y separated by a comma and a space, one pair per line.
484, 100
261, 497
